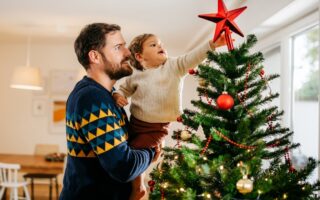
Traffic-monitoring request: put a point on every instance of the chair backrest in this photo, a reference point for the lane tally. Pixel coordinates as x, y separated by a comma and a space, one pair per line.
9, 173
44, 149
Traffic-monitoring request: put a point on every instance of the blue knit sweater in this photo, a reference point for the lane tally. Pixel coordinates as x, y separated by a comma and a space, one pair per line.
100, 163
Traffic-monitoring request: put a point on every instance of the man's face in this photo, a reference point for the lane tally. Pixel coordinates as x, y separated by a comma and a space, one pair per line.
115, 56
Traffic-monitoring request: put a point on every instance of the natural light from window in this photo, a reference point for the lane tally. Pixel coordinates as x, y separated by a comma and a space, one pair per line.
305, 107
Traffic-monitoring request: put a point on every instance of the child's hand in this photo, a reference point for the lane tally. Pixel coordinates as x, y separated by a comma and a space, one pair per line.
221, 41
120, 100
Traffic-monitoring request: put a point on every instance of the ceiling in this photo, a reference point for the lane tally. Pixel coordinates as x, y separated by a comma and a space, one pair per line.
174, 21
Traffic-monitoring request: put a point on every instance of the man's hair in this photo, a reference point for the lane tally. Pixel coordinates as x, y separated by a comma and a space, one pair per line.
92, 37
136, 47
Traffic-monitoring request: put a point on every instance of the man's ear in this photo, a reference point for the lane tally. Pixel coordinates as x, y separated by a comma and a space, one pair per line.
93, 57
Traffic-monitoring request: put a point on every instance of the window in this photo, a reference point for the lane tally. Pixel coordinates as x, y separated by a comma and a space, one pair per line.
272, 65
305, 91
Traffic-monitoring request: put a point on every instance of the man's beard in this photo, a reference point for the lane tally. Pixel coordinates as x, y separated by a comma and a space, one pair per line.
116, 71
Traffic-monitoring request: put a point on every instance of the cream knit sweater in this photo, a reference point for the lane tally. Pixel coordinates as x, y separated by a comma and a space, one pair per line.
155, 92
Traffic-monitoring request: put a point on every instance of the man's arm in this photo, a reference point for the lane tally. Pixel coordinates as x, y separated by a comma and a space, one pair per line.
105, 130
124, 164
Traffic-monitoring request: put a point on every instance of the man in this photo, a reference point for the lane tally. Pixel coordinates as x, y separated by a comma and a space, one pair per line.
100, 163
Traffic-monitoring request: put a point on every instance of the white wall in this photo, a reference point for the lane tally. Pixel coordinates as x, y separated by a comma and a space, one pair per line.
20, 129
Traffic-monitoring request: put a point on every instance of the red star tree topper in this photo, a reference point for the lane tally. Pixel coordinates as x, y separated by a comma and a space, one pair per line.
225, 23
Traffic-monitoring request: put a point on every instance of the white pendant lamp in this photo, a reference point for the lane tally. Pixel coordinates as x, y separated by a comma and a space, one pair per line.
26, 77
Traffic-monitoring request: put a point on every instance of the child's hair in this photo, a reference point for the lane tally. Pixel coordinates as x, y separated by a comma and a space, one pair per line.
136, 47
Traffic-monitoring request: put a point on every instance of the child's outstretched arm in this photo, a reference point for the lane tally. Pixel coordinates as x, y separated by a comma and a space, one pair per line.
196, 56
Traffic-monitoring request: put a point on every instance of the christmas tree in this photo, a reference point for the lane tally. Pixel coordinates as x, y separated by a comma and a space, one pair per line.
233, 145
245, 151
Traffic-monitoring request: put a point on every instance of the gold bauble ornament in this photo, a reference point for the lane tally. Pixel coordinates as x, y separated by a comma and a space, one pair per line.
185, 135
202, 82
245, 185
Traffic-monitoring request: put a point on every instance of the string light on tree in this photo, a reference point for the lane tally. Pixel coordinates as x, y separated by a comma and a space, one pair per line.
164, 185
198, 169
206, 195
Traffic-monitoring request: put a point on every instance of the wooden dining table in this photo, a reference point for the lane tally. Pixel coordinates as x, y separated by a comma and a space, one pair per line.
33, 163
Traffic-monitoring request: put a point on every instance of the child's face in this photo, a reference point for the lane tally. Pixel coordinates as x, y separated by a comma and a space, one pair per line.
153, 54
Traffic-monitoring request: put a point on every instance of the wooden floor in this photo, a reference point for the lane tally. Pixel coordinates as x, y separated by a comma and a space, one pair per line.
41, 192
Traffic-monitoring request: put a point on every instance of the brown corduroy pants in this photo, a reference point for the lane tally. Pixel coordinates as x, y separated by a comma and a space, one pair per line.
146, 135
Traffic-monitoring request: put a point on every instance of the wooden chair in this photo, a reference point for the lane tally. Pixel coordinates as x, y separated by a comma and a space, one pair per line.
44, 149
9, 179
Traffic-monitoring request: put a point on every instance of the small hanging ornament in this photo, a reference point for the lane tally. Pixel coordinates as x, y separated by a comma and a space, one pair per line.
245, 185
151, 184
179, 119
261, 72
202, 82
193, 71
225, 101
185, 135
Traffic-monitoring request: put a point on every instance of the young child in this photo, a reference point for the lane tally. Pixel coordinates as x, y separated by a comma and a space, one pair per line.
154, 88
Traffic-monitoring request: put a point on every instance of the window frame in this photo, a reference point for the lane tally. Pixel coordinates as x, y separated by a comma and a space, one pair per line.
283, 38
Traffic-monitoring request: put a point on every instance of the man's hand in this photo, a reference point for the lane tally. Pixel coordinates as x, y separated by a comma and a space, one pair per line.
120, 100
158, 150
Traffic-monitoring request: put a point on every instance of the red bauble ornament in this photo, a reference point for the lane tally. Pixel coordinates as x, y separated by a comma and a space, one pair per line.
225, 101
225, 23
179, 119
192, 71
151, 184
292, 169
261, 72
